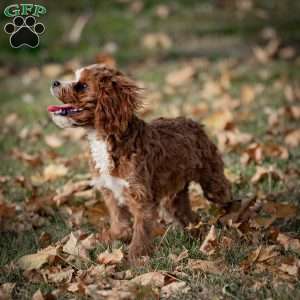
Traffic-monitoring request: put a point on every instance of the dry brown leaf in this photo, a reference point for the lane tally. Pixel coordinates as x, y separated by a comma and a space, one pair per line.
219, 120
173, 288
232, 139
52, 70
287, 52
266, 172
205, 266
156, 41
53, 141
288, 242
74, 247
162, 11
37, 260
211, 89
89, 242
54, 171
254, 152
11, 119
6, 290
62, 276
156, 279
267, 253
292, 111
208, 246
111, 258
38, 295
292, 270
260, 255
231, 176
248, 94
32, 159
280, 210
71, 189
74, 134
177, 258
181, 76
292, 139
7, 210
278, 151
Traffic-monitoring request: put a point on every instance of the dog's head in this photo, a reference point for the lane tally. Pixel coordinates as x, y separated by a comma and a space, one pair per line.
100, 97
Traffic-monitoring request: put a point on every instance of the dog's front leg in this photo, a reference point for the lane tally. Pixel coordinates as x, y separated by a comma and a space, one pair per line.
120, 228
144, 211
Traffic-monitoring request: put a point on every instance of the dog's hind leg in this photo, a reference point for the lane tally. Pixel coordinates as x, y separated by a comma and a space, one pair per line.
179, 208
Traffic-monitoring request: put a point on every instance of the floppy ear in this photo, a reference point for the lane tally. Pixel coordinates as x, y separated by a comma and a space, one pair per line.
118, 99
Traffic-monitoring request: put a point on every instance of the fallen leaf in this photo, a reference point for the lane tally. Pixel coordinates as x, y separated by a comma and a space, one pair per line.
173, 288
32, 159
231, 139
177, 258
59, 277
74, 247
292, 139
71, 189
156, 41
254, 152
52, 70
231, 176
260, 255
248, 94
156, 279
38, 295
74, 134
53, 141
11, 119
292, 111
52, 172
89, 242
205, 266
162, 11
278, 151
181, 76
292, 270
219, 120
266, 172
208, 246
6, 290
7, 210
288, 242
111, 258
37, 260
280, 210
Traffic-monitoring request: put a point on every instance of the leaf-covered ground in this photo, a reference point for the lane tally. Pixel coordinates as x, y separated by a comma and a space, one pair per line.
231, 65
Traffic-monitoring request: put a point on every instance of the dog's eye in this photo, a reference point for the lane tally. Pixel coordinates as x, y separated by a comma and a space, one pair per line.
80, 87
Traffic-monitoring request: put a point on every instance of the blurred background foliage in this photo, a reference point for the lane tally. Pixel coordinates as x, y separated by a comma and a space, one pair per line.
120, 25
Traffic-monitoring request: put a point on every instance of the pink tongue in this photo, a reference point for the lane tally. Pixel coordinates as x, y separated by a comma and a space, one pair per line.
53, 108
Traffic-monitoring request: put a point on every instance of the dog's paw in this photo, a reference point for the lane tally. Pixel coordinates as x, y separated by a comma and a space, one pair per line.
105, 236
137, 251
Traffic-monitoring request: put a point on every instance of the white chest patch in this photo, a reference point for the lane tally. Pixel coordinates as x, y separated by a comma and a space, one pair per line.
103, 163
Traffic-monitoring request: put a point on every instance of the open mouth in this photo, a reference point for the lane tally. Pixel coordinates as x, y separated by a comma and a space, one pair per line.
64, 110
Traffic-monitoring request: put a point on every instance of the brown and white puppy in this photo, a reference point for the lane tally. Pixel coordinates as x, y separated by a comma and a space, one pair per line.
138, 164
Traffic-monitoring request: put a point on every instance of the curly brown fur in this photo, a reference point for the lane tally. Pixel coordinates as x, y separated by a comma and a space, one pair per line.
138, 164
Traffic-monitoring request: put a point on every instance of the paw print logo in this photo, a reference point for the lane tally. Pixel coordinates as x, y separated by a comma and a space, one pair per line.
24, 32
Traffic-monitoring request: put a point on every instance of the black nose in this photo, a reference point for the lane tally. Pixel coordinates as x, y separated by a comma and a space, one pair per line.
55, 83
